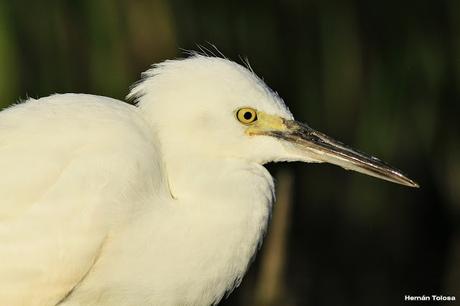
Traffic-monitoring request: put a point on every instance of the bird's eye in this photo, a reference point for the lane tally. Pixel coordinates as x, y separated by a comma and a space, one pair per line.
246, 115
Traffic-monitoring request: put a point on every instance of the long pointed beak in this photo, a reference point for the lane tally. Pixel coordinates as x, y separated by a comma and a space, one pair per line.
325, 149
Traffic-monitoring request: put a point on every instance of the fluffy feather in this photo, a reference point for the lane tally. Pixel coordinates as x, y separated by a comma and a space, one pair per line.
159, 203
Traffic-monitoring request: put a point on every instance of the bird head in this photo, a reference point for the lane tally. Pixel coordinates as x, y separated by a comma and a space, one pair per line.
216, 108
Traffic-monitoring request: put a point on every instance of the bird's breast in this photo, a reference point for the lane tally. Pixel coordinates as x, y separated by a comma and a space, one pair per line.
191, 250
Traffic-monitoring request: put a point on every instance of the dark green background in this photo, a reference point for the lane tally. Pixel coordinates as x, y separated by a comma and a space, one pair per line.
383, 76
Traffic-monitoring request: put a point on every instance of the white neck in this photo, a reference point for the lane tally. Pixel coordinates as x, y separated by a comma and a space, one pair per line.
223, 207
226, 205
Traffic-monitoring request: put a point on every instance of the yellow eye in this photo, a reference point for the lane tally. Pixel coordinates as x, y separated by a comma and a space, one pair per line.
246, 115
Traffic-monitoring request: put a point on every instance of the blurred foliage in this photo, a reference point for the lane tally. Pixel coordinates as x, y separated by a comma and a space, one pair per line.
381, 75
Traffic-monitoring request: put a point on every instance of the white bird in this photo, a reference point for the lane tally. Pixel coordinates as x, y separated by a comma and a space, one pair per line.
159, 203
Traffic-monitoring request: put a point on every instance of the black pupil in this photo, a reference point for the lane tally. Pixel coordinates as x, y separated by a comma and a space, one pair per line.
247, 115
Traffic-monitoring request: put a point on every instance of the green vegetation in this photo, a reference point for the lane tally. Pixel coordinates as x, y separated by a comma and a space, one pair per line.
383, 76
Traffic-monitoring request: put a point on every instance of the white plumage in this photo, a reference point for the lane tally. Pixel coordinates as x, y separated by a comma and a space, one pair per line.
159, 203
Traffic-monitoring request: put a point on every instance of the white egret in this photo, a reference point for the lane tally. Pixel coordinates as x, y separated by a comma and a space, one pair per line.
159, 203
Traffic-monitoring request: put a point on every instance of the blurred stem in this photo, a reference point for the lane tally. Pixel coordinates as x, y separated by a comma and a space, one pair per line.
270, 287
